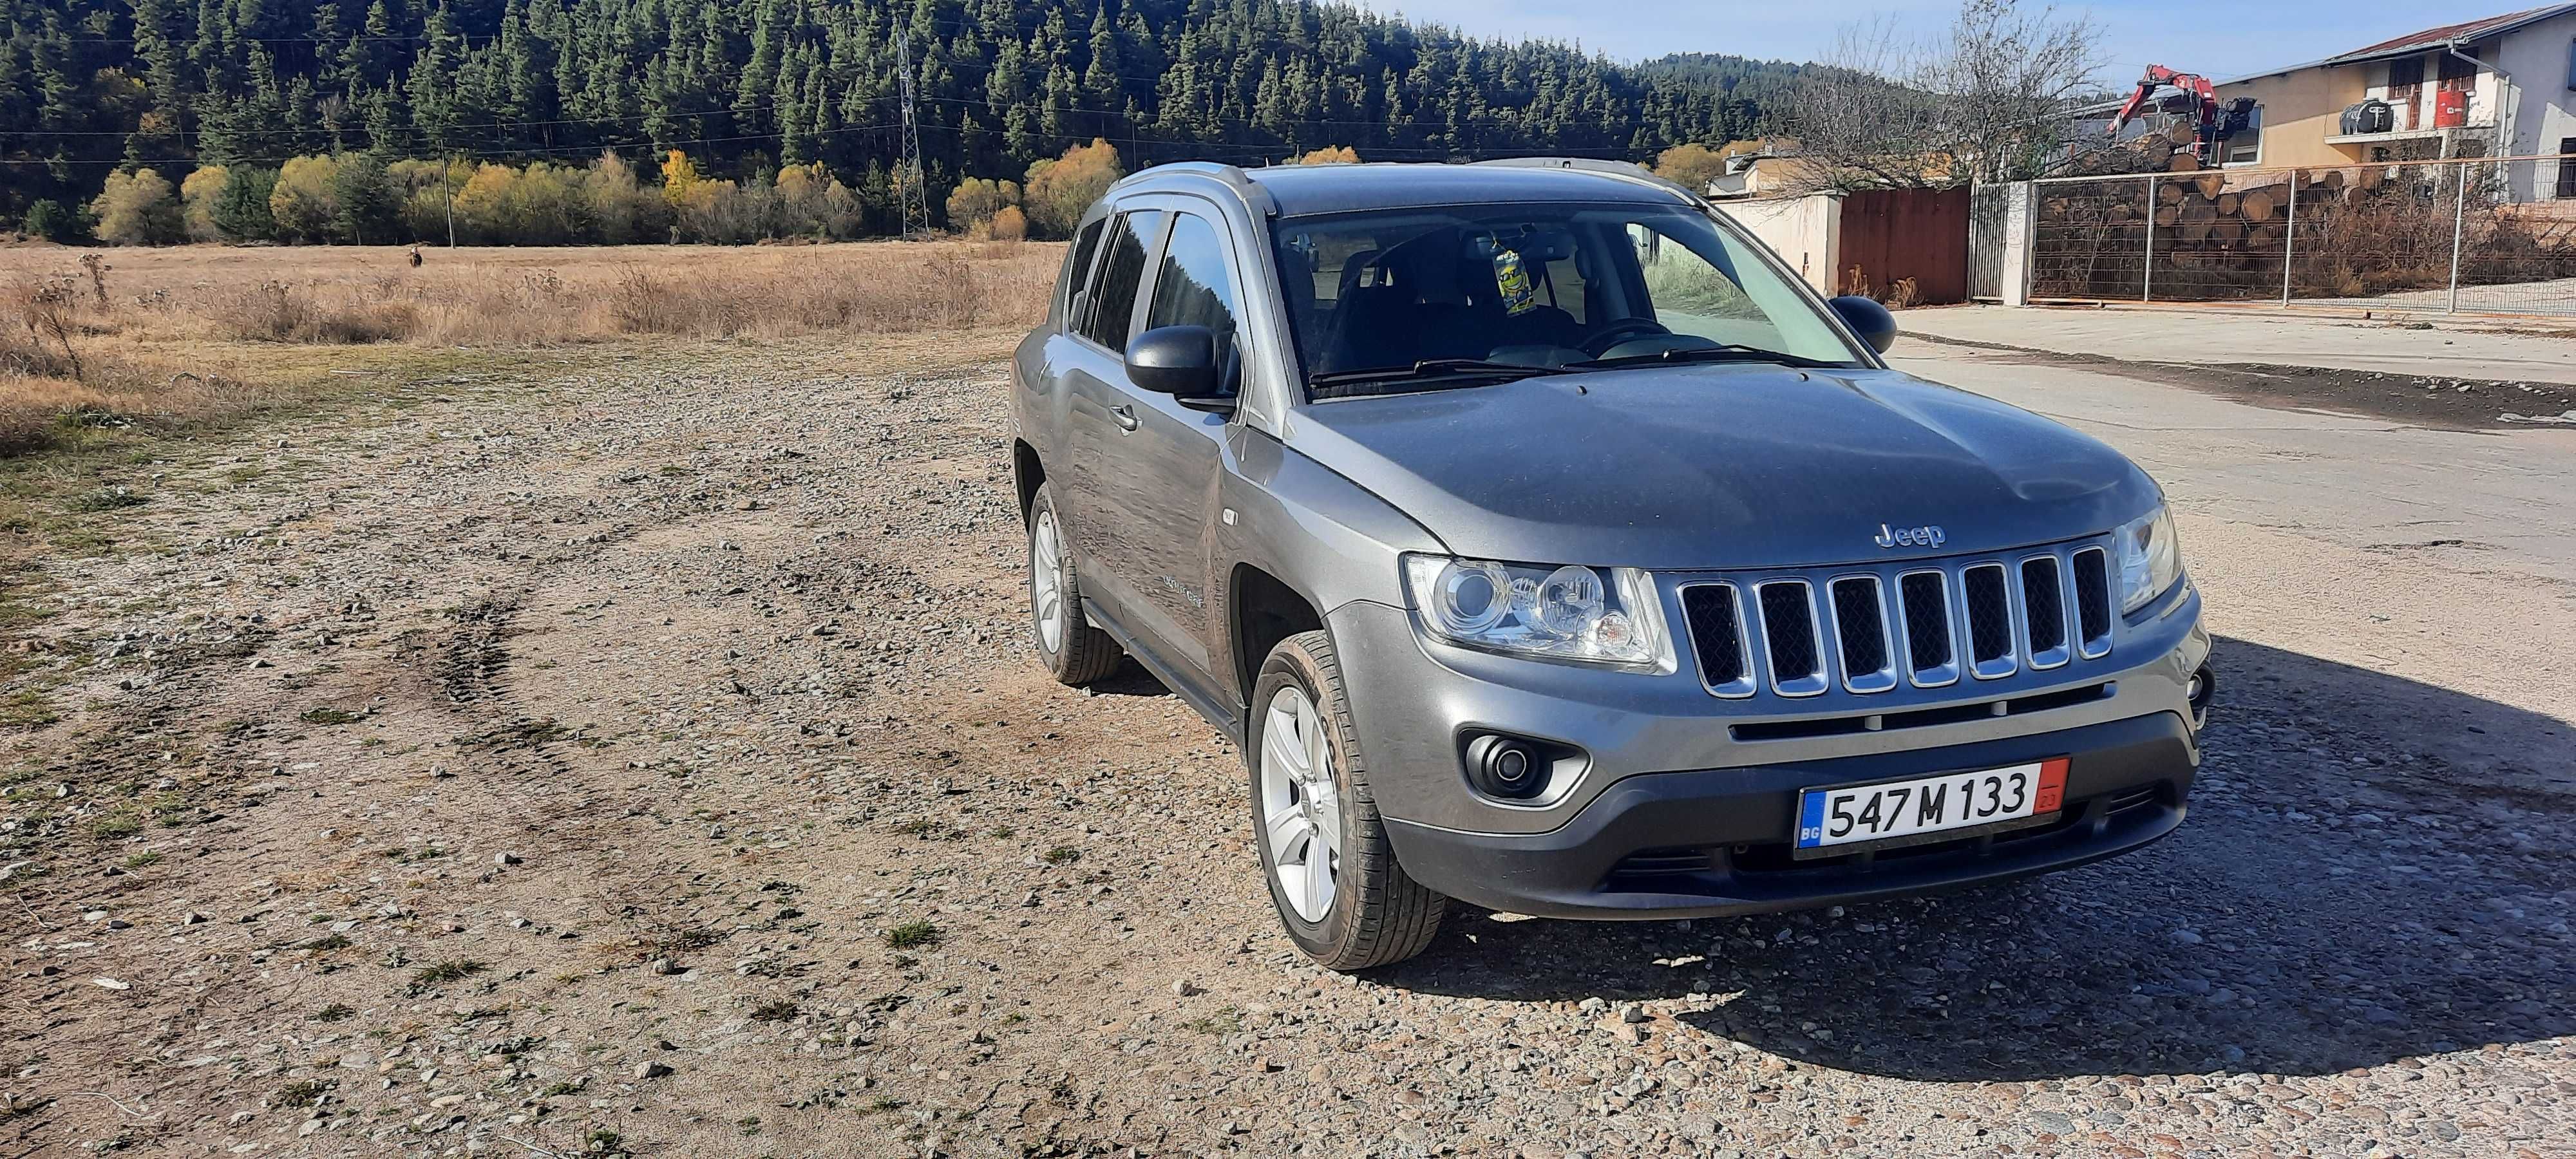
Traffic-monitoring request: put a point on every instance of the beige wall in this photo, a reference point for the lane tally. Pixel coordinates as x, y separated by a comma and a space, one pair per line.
1805, 231
2301, 109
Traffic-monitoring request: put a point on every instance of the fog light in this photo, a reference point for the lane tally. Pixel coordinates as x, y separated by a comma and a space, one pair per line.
2202, 689
1505, 767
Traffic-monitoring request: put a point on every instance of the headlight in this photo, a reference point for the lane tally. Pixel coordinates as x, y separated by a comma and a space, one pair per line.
2150, 558
1566, 613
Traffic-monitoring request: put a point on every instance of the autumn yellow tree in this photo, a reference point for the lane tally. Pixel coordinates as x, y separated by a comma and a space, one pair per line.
137, 208
1330, 155
1691, 166
1060, 188
304, 203
197, 197
976, 200
1008, 224
679, 176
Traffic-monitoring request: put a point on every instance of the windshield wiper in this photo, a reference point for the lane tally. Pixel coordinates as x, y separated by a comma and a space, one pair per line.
1431, 368
1722, 352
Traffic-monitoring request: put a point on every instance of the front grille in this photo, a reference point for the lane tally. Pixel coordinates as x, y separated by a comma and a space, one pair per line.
1919, 623
1662, 863
1989, 606
1790, 635
1926, 595
1860, 634
2093, 601
1717, 638
2043, 604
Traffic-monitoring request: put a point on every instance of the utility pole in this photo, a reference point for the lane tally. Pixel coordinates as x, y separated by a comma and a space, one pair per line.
916, 206
447, 184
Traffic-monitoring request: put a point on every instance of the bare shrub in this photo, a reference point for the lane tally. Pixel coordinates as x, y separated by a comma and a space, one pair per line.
276, 311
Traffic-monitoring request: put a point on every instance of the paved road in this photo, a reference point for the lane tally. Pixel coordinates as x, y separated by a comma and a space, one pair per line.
2224, 336
2491, 500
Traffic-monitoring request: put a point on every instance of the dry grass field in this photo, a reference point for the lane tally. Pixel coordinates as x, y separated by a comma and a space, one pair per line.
115, 362
170, 338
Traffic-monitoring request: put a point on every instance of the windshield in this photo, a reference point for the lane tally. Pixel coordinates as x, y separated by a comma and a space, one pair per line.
1536, 285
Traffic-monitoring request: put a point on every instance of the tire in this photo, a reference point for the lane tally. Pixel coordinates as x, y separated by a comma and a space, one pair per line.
1073, 651
1369, 912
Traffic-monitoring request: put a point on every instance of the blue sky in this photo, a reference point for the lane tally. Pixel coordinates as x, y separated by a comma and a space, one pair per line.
2219, 39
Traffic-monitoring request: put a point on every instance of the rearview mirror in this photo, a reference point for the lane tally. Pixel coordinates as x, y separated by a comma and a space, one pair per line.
1176, 360
1867, 319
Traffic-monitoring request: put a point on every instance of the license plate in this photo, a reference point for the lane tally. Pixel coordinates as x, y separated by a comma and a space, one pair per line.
1893, 811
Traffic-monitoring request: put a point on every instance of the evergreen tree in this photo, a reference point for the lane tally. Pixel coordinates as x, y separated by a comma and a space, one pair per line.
91, 86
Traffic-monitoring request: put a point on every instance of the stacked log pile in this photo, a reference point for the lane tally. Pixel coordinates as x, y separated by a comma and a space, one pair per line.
2217, 233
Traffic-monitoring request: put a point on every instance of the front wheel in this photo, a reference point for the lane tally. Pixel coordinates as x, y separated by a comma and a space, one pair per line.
1333, 876
1074, 652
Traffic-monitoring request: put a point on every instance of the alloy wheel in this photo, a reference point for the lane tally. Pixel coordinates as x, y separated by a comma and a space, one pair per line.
1301, 815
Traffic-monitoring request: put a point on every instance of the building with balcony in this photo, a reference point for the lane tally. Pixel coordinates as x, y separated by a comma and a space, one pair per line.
2498, 86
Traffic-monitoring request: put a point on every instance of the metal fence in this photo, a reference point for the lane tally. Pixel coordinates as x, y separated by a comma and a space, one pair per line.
2484, 235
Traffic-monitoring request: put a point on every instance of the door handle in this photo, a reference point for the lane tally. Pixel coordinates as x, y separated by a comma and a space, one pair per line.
1124, 414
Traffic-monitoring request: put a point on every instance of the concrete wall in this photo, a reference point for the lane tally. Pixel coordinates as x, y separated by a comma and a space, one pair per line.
1804, 231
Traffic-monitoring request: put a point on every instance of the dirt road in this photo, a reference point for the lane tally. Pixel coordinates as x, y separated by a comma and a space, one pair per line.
642, 755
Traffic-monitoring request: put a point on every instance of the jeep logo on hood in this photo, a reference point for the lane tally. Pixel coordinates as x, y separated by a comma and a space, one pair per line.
1928, 536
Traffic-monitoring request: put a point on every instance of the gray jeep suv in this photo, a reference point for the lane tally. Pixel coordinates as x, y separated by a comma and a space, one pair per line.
1544, 544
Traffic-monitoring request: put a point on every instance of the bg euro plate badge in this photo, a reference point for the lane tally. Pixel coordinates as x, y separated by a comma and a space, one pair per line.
1893, 811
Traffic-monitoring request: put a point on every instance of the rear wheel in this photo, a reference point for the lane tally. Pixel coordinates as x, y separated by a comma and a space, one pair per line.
1072, 649
1333, 876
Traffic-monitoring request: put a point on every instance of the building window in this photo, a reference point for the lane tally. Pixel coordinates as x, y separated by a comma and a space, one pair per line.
2405, 70
2455, 68
2566, 167
2571, 65
2246, 147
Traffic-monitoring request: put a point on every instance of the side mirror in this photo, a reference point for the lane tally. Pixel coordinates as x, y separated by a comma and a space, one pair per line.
1868, 319
1176, 360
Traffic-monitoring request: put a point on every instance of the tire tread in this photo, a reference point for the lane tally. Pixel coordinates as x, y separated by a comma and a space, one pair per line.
1395, 917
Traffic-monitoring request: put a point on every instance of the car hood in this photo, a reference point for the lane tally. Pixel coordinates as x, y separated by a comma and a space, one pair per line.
1728, 466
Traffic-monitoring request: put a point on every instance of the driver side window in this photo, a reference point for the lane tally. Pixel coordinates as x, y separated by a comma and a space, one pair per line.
1193, 288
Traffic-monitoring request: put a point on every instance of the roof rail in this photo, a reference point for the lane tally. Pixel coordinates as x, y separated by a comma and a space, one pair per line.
1231, 175
1624, 170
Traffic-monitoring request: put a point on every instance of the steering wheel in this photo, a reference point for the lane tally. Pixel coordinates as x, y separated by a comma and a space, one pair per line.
1620, 331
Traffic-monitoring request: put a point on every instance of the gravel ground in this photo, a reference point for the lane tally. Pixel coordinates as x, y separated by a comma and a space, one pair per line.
648, 760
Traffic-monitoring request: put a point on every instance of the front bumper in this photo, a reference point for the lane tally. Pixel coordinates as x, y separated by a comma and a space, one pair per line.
1716, 842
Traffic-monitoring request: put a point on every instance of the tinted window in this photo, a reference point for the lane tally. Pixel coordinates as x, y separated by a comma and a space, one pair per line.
1192, 288
1122, 271
1077, 265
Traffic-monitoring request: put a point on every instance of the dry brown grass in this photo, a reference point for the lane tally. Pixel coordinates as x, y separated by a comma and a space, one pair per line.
188, 335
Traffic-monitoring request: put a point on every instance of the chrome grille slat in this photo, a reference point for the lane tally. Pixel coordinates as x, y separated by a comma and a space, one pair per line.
1715, 614
1867, 631
1862, 641
1931, 648
1986, 604
2091, 575
2045, 602
1793, 641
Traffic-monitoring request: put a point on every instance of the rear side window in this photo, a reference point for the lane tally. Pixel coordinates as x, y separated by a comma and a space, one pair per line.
1077, 267
1192, 287
1122, 270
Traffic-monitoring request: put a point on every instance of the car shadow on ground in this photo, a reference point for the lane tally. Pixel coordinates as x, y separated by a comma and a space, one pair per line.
1130, 679
2351, 888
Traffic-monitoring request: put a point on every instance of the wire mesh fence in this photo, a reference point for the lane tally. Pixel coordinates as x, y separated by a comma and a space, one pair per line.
2487, 235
